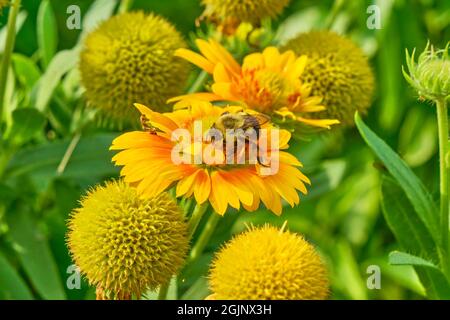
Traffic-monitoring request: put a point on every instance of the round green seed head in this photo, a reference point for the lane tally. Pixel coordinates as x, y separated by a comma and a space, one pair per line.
338, 71
252, 11
124, 244
130, 59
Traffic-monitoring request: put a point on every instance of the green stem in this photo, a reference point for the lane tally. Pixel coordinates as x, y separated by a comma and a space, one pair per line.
194, 221
163, 289
198, 83
9, 46
444, 168
125, 6
68, 154
335, 9
197, 215
205, 236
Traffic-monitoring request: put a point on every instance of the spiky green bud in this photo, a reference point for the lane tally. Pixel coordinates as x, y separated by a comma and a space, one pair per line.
430, 75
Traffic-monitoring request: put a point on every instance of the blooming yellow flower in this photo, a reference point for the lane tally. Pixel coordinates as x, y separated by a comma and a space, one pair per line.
268, 82
148, 164
268, 264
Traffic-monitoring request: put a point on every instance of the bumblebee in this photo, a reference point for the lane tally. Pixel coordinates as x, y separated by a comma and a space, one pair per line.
240, 120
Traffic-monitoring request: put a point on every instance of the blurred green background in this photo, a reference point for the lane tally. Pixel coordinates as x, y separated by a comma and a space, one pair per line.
341, 215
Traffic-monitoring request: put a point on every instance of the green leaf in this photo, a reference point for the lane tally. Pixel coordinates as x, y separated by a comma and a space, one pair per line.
26, 123
26, 70
198, 291
100, 10
62, 63
347, 275
409, 182
301, 21
47, 34
90, 161
389, 58
12, 285
418, 137
412, 235
35, 255
408, 229
398, 258
405, 276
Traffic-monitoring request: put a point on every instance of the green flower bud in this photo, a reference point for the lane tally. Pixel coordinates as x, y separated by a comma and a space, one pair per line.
430, 75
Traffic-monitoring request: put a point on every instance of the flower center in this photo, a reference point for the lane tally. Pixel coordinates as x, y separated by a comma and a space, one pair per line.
261, 89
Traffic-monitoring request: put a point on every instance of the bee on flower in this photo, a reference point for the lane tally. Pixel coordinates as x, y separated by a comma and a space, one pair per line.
180, 148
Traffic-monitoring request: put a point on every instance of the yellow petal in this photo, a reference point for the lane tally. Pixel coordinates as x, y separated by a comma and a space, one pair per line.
185, 184
203, 96
287, 59
241, 187
271, 57
253, 61
196, 59
225, 57
221, 74
299, 67
224, 90
202, 186
322, 123
217, 199
288, 158
158, 120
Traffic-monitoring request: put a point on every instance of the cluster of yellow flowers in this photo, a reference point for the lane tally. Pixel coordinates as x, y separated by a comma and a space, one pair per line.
133, 235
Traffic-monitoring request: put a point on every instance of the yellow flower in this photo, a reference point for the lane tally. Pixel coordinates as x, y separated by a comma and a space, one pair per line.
338, 71
148, 163
124, 244
268, 264
230, 13
130, 59
268, 82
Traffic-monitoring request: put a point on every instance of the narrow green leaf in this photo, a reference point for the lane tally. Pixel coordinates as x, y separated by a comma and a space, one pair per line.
25, 70
401, 218
100, 10
398, 258
412, 235
91, 160
409, 182
406, 276
347, 274
12, 286
47, 32
198, 291
35, 255
62, 63
26, 123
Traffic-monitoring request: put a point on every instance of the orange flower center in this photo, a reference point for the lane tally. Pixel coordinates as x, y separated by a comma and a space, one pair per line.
264, 90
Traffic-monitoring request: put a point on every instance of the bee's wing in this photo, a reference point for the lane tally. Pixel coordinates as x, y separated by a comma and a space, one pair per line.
255, 120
